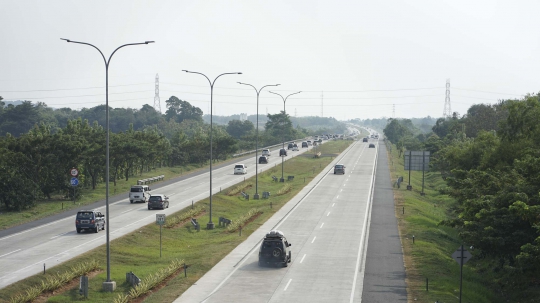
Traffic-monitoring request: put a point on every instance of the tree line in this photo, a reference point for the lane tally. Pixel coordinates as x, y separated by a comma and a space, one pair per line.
490, 160
35, 162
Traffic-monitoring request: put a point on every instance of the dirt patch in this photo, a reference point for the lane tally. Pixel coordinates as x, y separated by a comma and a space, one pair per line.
44, 297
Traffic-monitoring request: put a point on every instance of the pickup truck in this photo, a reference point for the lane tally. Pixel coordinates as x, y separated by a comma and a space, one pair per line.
139, 193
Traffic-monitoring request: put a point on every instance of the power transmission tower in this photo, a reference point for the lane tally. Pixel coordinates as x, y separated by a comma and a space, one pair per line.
447, 113
157, 103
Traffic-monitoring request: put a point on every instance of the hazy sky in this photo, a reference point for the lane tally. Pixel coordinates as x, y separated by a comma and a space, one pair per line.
350, 59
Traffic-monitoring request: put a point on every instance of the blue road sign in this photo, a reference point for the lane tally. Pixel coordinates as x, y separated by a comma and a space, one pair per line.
74, 181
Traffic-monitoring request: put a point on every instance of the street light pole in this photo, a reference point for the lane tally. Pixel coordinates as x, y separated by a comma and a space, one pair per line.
107, 285
210, 224
284, 100
256, 196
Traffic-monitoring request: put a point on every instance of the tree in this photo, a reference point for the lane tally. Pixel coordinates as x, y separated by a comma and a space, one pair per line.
179, 110
237, 128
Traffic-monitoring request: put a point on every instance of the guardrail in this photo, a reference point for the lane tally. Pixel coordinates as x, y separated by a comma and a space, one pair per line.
275, 145
151, 180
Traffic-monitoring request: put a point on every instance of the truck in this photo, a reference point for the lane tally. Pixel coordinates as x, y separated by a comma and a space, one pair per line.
139, 193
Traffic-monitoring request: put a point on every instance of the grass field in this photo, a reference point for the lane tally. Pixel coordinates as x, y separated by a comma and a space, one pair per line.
139, 251
430, 255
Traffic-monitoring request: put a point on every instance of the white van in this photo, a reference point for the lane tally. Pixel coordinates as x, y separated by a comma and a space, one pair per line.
139, 193
266, 152
240, 169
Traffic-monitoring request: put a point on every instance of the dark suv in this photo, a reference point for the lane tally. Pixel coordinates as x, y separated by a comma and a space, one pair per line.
89, 220
339, 169
275, 250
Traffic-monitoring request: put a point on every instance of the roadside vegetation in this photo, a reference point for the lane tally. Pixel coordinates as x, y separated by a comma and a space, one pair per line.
484, 177
200, 251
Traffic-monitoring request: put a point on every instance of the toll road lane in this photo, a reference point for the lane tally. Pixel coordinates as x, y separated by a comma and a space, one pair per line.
57, 242
326, 225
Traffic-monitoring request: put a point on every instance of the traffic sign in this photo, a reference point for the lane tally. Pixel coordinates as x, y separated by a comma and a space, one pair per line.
74, 181
160, 219
459, 257
74, 172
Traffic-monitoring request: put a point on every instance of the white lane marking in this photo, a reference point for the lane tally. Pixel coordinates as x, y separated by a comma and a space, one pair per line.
341, 190
127, 211
313, 239
344, 184
337, 197
9, 253
328, 214
302, 259
60, 235
287, 285
333, 204
346, 180
322, 224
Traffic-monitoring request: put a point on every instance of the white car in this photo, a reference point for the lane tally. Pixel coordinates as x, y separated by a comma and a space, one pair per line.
295, 147
240, 169
266, 152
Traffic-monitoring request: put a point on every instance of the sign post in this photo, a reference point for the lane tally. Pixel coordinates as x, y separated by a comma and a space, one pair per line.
461, 256
74, 181
160, 220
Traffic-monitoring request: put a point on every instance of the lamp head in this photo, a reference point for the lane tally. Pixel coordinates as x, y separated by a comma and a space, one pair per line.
146, 42
67, 40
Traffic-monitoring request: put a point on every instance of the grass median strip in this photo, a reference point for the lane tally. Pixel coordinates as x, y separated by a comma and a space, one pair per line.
138, 252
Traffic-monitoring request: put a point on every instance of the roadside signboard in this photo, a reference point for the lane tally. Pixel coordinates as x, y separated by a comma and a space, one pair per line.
461, 258
74, 181
74, 172
160, 219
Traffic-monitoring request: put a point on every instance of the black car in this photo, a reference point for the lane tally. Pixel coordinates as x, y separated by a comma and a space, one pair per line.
339, 169
89, 220
275, 250
304, 144
263, 160
365, 140
158, 201
283, 152
371, 145
290, 146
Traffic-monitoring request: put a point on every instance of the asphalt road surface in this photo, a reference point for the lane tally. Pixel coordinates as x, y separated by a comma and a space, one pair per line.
327, 224
25, 249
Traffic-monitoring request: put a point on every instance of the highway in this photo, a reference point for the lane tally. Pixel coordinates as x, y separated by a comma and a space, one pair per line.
23, 253
327, 224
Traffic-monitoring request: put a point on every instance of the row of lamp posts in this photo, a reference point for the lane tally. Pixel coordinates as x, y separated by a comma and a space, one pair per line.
110, 285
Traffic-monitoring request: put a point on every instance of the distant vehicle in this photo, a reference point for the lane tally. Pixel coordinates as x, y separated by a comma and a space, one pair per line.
304, 144
240, 169
275, 250
266, 152
89, 220
158, 201
371, 145
139, 193
316, 138
290, 146
263, 160
309, 142
365, 140
339, 169
295, 147
283, 152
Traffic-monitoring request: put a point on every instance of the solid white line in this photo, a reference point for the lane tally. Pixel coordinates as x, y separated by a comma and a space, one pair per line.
287, 285
322, 224
302, 259
313, 239
20, 249
60, 235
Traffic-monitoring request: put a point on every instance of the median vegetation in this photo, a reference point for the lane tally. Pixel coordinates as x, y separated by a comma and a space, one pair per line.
139, 251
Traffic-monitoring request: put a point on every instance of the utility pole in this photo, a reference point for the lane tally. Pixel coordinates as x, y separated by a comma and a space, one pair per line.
447, 113
322, 104
157, 103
